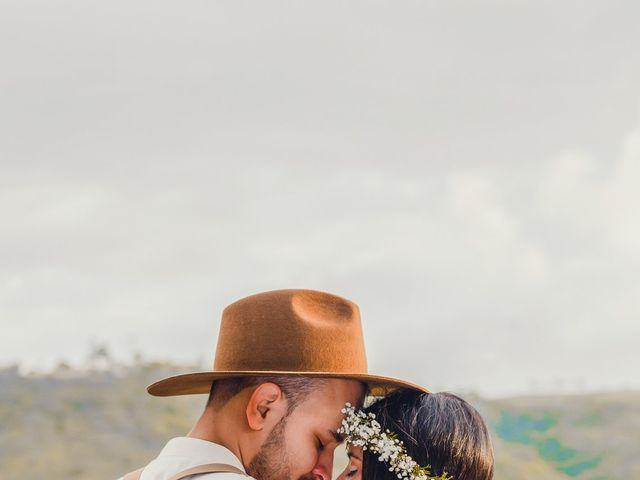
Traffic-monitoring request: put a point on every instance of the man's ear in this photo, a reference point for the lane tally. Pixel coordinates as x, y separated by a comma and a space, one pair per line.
266, 406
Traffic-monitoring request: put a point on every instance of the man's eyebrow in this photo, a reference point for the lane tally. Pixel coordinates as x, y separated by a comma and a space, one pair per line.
338, 437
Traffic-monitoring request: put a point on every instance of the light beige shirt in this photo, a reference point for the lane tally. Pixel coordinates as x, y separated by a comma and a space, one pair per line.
184, 452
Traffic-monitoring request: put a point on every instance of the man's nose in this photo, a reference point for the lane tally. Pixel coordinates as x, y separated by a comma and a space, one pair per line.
324, 467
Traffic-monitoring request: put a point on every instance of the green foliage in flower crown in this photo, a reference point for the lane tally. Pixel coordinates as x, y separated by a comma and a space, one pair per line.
362, 430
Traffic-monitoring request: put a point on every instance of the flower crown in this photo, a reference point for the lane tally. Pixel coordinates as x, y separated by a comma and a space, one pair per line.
362, 430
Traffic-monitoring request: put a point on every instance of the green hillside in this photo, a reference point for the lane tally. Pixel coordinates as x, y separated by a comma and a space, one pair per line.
100, 424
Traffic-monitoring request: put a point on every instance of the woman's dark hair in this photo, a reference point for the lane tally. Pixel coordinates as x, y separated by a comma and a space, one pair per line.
438, 429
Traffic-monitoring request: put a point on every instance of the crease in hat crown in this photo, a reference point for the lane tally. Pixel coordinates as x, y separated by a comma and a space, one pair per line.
284, 332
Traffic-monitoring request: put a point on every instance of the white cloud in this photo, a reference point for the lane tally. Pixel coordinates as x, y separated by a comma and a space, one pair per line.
621, 202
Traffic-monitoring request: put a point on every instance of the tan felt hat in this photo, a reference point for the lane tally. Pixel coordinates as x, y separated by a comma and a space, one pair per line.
286, 332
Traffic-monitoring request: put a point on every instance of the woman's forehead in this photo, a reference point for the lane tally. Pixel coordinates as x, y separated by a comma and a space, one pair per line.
354, 452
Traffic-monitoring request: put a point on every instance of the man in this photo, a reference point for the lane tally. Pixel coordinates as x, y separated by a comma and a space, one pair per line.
286, 363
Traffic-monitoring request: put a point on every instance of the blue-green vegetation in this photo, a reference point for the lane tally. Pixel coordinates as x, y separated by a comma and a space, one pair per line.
552, 450
537, 431
519, 428
576, 469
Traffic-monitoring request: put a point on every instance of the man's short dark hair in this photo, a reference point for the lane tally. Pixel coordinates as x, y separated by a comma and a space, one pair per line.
295, 388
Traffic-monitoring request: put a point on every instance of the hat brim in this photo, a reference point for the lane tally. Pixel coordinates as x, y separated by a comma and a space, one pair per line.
200, 382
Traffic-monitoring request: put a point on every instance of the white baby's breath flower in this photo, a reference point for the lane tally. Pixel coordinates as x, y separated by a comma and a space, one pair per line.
362, 430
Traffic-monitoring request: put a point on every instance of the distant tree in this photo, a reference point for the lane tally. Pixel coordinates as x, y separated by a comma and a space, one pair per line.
99, 357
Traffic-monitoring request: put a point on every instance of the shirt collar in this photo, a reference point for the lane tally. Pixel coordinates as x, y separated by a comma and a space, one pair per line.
201, 451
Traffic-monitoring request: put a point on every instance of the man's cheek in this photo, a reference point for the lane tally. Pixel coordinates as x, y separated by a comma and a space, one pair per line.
305, 459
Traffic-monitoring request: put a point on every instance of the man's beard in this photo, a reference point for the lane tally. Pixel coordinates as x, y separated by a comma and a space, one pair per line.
272, 461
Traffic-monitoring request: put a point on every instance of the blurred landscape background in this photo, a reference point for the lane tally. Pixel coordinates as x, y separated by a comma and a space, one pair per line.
100, 423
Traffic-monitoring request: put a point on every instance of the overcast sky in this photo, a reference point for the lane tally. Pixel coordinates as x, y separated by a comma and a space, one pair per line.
467, 172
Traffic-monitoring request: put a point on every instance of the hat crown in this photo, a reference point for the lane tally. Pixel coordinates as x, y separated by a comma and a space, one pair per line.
291, 331
286, 332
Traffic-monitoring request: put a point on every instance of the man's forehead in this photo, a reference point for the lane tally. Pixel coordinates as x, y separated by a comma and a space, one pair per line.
332, 396
344, 387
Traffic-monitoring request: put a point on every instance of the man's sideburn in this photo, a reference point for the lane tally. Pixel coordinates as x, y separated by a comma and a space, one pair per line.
271, 462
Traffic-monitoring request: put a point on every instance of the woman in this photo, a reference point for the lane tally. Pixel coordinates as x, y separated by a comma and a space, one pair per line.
440, 431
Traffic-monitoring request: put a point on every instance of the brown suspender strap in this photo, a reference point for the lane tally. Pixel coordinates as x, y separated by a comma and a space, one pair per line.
208, 468
133, 475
